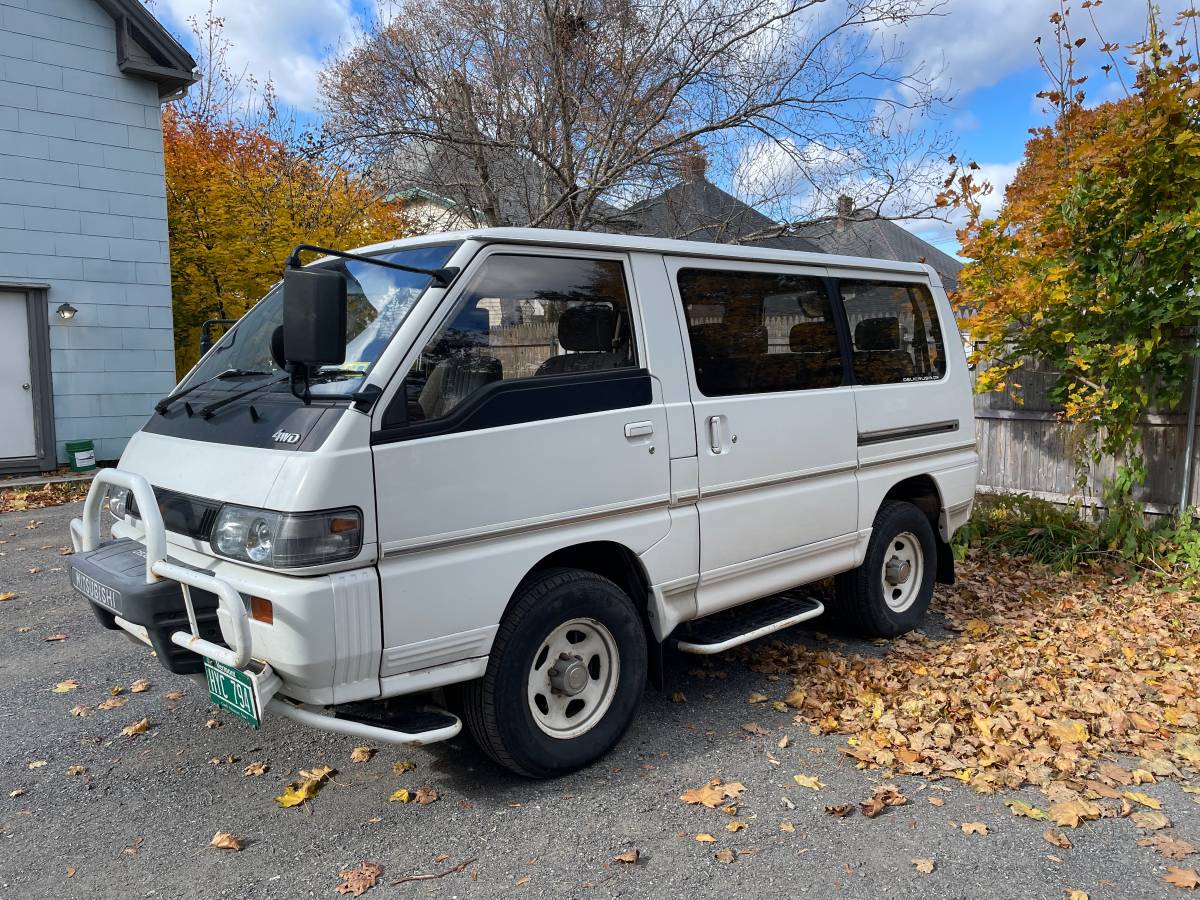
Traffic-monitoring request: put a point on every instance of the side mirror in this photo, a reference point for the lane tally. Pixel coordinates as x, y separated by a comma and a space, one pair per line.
314, 317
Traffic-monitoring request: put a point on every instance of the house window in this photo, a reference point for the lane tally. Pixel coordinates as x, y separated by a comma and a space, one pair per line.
895, 331
759, 332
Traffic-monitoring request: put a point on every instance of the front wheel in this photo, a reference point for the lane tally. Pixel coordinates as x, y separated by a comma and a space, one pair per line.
888, 594
564, 678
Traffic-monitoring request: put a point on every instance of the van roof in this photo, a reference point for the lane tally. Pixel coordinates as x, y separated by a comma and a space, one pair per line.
598, 240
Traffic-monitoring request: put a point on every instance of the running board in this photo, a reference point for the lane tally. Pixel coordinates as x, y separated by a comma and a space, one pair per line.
413, 728
742, 624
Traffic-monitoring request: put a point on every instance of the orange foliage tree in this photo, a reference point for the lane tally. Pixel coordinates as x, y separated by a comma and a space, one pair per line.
245, 185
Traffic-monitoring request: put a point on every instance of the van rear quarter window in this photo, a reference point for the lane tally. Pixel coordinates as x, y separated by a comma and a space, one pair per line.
895, 331
759, 332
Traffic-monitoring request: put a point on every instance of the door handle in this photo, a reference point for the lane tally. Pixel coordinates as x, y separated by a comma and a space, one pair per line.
716, 441
638, 429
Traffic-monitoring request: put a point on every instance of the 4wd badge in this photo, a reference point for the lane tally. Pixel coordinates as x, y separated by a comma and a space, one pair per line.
285, 437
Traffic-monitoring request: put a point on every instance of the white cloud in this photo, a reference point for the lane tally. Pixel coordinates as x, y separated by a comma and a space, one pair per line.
285, 41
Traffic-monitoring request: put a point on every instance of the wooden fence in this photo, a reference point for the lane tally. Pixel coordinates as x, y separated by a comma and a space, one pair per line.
1024, 448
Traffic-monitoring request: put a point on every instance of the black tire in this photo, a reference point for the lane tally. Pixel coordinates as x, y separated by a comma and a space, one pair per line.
497, 706
861, 602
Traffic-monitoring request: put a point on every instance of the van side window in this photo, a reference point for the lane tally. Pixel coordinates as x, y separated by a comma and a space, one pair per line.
759, 332
524, 317
895, 331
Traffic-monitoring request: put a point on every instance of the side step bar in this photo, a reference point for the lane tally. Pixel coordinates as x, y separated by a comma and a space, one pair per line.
416, 729
742, 624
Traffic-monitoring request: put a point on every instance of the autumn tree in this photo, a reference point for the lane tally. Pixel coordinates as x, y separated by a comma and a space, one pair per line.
559, 113
1091, 264
245, 185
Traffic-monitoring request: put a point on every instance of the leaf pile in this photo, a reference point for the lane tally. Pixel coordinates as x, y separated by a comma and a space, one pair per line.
1047, 672
42, 495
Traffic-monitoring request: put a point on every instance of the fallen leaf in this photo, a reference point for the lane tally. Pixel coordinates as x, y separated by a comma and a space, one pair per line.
735, 826
1075, 894
361, 754
425, 796
724, 856
629, 856
305, 789
5, 596
1068, 731
521, 882
678, 697
140, 686
1020, 808
80, 710
399, 768
116, 690
76, 770
755, 729
139, 727
1150, 820
38, 764
924, 866
1139, 797
223, 840
113, 703
255, 768
783, 742
808, 781
70, 871
53, 638
936, 801
885, 795
1182, 878
174, 695
1070, 813
213, 723
841, 810
787, 827
713, 794
17, 793
1057, 838
135, 846
756, 697
1168, 847
64, 687
974, 828
706, 838
400, 795
356, 882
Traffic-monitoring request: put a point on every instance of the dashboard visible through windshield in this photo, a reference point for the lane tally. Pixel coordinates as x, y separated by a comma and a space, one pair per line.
378, 299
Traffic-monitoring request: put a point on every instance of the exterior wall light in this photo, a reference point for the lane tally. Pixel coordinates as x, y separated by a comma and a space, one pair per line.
66, 312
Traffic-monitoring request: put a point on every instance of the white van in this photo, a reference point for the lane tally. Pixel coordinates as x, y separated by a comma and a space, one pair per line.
520, 462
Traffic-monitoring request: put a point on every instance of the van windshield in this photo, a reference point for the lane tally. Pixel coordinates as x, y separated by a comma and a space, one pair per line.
378, 299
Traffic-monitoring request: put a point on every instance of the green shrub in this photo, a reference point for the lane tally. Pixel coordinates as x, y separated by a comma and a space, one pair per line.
1026, 526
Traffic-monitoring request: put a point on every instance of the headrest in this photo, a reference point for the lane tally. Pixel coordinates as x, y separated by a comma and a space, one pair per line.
588, 326
813, 337
882, 333
720, 340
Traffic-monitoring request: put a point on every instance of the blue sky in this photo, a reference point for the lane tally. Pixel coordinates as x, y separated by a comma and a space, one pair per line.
983, 49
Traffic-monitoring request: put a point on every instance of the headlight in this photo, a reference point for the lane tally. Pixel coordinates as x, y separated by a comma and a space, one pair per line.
118, 502
287, 540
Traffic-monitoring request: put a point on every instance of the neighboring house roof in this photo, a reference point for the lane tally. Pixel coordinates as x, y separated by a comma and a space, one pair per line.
147, 50
695, 209
858, 232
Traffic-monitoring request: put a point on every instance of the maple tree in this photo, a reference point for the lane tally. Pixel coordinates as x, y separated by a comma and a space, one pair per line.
244, 185
1091, 263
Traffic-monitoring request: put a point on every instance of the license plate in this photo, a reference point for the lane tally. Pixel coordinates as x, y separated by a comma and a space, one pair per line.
107, 597
232, 689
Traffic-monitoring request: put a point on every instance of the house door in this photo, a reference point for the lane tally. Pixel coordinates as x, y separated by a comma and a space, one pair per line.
18, 437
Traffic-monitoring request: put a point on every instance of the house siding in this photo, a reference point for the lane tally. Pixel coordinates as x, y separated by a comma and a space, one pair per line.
83, 210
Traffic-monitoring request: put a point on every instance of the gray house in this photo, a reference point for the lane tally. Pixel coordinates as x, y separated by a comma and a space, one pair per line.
85, 289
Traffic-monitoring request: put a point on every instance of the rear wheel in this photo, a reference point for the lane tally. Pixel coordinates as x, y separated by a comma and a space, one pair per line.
564, 678
888, 594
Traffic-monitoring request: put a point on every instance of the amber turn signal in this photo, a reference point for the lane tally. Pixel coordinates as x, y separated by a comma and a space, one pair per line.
262, 611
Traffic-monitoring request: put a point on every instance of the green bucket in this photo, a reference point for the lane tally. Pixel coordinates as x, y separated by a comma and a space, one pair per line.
82, 455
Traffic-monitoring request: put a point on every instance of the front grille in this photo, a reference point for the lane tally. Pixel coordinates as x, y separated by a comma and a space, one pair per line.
183, 513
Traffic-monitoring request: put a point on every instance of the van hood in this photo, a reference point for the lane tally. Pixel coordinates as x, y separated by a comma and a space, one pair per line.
223, 472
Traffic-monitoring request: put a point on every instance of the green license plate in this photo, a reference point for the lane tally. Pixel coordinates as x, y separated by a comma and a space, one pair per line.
233, 690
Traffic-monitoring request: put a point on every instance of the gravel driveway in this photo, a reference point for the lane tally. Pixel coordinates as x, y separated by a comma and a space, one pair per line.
138, 820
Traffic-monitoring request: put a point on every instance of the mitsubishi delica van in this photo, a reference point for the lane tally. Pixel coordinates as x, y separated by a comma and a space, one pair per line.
488, 476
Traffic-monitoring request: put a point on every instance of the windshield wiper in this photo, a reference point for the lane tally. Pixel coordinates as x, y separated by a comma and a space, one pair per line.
164, 404
208, 411
441, 277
